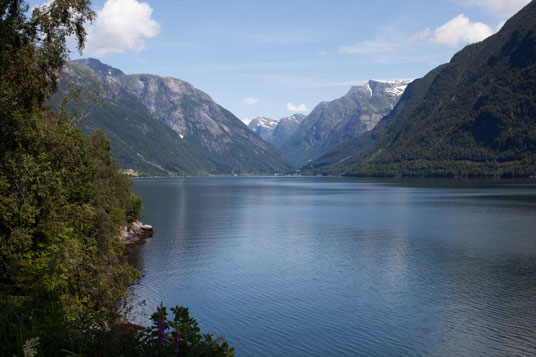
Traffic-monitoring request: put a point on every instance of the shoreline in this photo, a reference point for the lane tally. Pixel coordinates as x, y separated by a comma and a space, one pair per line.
135, 235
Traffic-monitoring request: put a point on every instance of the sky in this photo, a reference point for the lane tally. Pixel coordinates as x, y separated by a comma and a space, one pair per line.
279, 57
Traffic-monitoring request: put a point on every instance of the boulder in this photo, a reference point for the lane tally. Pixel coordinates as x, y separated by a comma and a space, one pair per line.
135, 234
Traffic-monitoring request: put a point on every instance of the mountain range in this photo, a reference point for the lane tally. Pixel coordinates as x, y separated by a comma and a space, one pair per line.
276, 131
263, 127
165, 126
331, 123
474, 116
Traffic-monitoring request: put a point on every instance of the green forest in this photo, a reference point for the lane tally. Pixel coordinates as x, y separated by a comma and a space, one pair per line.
63, 201
472, 117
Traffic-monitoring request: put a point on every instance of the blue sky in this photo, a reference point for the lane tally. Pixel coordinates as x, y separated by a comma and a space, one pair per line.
274, 58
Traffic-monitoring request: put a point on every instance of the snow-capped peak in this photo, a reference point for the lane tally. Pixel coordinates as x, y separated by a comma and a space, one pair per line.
264, 122
396, 87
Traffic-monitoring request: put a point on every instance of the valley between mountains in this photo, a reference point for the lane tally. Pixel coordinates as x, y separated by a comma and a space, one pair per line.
474, 116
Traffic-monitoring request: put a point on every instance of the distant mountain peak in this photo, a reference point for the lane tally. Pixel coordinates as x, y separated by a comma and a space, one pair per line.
100, 68
276, 131
263, 126
265, 122
331, 123
297, 116
394, 88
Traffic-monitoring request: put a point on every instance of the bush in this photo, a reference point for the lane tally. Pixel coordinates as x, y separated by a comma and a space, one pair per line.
43, 332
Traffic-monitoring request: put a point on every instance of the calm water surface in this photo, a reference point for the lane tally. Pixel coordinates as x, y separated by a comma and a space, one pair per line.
343, 267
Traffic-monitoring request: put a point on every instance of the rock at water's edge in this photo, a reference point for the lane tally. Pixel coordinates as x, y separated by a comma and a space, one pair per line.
135, 234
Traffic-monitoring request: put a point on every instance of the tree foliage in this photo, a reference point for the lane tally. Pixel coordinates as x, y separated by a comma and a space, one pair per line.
178, 335
62, 197
33, 49
62, 203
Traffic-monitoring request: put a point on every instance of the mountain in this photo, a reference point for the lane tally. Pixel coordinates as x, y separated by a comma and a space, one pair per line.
165, 126
285, 128
350, 152
331, 123
263, 126
140, 143
475, 116
276, 131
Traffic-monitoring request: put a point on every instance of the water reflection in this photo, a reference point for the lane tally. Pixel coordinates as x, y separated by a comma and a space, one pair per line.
330, 266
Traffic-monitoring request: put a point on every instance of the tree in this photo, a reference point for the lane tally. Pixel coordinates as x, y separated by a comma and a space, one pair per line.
62, 198
34, 49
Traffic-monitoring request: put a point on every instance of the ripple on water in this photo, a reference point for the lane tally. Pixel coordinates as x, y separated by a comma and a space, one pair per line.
324, 266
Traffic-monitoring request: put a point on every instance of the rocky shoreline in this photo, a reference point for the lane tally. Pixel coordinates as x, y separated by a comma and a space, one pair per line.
134, 235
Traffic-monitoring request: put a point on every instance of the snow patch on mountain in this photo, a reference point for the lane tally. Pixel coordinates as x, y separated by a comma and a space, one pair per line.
263, 126
264, 122
367, 87
397, 87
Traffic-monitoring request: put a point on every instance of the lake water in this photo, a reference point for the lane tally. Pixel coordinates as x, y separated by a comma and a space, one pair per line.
299, 266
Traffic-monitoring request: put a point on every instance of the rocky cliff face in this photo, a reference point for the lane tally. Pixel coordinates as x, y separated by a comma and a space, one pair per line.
263, 126
276, 131
141, 144
135, 234
285, 128
331, 123
214, 139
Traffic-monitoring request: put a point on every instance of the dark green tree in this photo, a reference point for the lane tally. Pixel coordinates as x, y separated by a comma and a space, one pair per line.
62, 197
62, 203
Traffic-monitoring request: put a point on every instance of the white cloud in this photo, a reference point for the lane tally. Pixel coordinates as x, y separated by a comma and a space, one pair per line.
458, 30
293, 108
251, 100
500, 26
44, 6
121, 25
498, 7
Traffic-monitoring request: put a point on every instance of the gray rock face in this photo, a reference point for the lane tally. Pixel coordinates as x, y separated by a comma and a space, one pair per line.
135, 234
276, 131
218, 140
263, 126
285, 128
332, 123
186, 110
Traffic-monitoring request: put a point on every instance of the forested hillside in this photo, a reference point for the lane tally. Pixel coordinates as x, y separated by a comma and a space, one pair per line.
164, 126
477, 118
63, 201
140, 143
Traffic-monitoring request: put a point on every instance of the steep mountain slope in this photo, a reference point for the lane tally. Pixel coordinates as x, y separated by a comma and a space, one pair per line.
206, 137
350, 152
263, 127
276, 132
478, 116
331, 123
140, 143
285, 128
